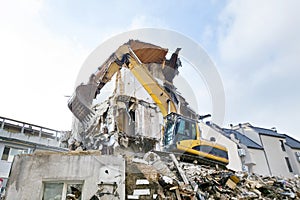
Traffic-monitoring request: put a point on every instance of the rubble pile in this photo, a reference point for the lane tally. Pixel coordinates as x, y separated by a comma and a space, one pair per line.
216, 183
171, 179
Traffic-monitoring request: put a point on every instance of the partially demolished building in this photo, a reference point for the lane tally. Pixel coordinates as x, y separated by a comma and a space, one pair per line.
112, 138
134, 115
129, 112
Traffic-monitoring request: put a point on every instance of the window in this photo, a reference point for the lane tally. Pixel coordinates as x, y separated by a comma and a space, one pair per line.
185, 130
298, 156
288, 164
9, 153
212, 150
282, 145
5, 153
62, 190
168, 135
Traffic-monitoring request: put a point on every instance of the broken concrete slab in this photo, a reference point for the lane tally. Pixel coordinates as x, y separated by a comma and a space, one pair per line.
139, 192
133, 197
142, 182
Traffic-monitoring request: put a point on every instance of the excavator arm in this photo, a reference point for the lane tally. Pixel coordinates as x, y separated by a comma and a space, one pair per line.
157, 92
81, 102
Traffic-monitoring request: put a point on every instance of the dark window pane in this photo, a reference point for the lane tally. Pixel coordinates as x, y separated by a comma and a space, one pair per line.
288, 164
212, 150
282, 145
5, 153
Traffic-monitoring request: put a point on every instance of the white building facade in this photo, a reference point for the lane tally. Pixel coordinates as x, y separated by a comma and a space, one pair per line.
18, 137
274, 158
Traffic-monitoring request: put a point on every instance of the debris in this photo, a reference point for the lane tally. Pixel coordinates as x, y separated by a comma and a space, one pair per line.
191, 181
151, 157
132, 197
142, 182
139, 192
138, 160
106, 191
177, 194
232, 181
231, 184
167, 180
185, 180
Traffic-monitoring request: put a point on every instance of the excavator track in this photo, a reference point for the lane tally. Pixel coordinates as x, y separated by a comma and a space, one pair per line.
190, 158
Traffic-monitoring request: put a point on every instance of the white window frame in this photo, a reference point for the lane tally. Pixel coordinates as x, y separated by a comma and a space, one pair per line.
10, 157
66, 183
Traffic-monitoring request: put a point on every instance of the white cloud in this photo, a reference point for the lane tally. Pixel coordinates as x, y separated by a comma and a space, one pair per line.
37, 67
259, 47
251, 27
143, 21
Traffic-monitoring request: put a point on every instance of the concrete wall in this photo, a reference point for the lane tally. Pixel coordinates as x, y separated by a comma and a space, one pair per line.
276, 156
234, 159
260, 163
149, 122
129, 85
89, 167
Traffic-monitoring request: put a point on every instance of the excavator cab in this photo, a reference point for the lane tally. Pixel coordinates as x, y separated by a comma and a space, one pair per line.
179, 128
182, 135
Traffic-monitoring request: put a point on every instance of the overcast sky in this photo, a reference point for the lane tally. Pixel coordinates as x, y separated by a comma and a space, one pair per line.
255, 45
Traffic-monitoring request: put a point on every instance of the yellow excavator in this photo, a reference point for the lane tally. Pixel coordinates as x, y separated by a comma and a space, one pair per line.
181, 133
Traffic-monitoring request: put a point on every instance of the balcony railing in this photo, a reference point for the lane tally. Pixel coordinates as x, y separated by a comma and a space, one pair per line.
15, 126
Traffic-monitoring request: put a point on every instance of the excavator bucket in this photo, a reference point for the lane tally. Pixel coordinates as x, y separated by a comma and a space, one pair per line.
81, 102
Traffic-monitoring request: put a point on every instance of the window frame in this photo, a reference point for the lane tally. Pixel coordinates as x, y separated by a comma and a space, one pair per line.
288, 163
282, 145
11, 156
65, 186
5, 154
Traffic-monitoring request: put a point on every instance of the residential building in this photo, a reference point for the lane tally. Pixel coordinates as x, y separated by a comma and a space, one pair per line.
17, 137
251, 154
292, 147
273, 159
